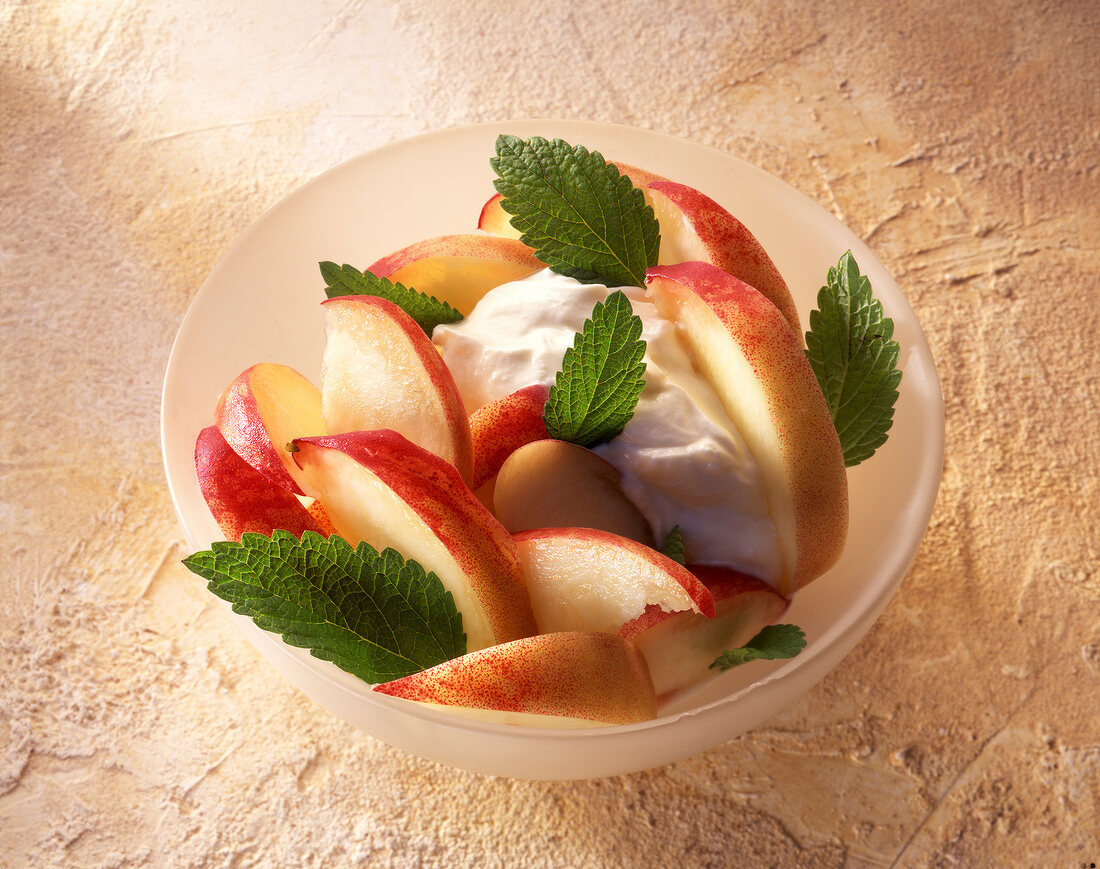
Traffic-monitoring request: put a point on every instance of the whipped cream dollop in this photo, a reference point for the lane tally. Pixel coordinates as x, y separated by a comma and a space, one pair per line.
681, 459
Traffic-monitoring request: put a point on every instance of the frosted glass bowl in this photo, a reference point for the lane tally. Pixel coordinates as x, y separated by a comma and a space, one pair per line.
261, 304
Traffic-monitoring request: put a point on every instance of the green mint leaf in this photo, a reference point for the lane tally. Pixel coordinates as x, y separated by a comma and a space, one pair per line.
427, 311
774, 641
601, 377
581, 216
673, 547
851, 349
376, 615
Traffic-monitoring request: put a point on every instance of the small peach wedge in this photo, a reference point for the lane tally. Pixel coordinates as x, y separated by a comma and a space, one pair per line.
459, 269
680, 647
582, 579
262, 410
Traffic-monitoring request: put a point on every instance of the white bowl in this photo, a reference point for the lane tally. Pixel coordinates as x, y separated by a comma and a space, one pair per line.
261, 304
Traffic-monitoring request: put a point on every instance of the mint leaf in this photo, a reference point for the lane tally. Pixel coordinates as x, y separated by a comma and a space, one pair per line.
673, 547
581, 216
851, 349
601, 377
376, 615
774, 641
427, 311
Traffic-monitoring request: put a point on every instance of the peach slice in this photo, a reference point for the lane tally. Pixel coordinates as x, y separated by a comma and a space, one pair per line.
693, 228
379, 487
242, 499
696, 228
680, 647
380, 371
495, 220
459, 269
554, 680
262, 411
582, 579
501, 427
754, 360
555, 484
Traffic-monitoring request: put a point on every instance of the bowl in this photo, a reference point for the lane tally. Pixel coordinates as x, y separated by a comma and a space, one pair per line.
261, 304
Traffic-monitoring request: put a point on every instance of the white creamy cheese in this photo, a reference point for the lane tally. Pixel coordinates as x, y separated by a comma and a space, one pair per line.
681, 459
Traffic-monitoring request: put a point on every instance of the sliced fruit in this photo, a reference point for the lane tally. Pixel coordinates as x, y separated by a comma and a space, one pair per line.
680, 647
379, 487
501, 427
381, 371
696, 228
754, 360
459, 269
494, 219
242, 499
693, 228
557, 680
555, 484
582, 579
261, 411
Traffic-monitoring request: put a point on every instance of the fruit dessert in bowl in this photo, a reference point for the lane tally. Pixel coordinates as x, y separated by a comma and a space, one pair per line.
543, 498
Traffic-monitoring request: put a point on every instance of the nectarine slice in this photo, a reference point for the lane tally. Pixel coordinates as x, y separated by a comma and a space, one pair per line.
554, 680
381, 371
242, 499
582, 579
379, 487
459, 269
696, 228
755, 362
261, 411
679, 647
495, 220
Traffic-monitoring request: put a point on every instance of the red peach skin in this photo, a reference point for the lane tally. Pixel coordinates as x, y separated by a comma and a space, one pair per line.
597, 678
501, 427
240, 498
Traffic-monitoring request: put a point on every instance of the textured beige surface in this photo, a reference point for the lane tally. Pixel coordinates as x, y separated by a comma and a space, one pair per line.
139, 138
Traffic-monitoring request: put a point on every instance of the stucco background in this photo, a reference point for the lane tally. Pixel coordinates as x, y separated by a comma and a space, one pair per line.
140, 138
